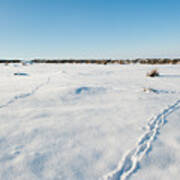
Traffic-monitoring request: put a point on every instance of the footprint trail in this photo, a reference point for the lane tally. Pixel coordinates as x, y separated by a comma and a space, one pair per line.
131, 161
24, 95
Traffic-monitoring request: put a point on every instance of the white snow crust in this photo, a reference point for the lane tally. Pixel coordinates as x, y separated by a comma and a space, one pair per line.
88, 122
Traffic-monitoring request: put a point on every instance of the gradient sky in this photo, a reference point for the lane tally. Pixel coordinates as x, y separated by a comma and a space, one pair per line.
89, 28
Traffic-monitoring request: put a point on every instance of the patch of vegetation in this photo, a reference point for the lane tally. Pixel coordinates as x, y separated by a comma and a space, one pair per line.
153, 73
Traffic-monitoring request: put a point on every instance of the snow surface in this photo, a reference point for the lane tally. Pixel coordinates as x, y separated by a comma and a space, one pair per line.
89, 122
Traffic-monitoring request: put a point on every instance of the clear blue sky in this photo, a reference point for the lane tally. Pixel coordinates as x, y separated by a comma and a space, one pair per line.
89, 28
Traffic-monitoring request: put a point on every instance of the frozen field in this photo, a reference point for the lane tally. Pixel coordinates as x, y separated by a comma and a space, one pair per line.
88, 122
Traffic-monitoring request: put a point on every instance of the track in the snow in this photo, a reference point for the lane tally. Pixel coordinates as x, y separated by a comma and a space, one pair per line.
130, 163
24, 95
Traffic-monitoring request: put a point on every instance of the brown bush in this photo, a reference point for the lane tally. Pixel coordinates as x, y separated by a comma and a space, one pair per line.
153, 73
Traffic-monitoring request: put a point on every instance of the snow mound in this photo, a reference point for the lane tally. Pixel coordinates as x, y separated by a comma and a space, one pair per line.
82, 94
89, 90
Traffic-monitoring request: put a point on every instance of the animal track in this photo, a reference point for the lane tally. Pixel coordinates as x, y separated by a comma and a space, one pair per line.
131, 161
24, 95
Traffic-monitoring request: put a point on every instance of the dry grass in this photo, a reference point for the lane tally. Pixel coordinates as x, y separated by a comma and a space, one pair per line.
153, 73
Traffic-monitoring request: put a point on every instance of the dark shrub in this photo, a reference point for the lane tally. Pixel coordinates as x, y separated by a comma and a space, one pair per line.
153, 73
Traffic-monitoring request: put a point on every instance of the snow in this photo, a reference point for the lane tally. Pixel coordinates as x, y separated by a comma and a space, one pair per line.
65, 121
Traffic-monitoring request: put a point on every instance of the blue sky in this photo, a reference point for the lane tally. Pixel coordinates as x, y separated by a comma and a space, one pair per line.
89, 28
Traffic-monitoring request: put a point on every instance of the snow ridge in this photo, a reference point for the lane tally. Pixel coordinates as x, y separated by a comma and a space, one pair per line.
131, 161
24, 95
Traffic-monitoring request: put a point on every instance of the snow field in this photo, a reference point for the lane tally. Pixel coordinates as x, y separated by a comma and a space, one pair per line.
81, 121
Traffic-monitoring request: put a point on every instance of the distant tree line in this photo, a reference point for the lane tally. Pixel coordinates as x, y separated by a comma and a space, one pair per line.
98, 61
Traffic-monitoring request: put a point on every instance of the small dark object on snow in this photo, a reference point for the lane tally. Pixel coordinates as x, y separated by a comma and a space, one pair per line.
148, 90
21, 74
153, 73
